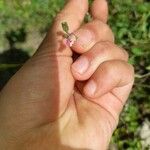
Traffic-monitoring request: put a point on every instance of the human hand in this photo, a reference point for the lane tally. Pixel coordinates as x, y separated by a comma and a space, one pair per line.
54, 103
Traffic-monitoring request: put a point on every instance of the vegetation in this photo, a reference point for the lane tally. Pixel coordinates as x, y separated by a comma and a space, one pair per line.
130, 21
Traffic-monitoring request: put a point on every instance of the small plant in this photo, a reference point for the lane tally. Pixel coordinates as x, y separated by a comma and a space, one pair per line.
65, 27
71, 38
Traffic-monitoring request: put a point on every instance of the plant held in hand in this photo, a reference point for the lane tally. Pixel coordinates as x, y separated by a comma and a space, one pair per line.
71, 38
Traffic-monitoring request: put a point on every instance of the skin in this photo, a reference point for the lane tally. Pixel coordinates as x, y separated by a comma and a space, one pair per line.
55, 103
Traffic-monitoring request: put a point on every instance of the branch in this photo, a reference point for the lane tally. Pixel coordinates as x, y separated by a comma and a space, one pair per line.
138, 76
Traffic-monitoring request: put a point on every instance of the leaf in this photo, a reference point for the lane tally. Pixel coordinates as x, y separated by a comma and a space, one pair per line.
65, 27
137, 51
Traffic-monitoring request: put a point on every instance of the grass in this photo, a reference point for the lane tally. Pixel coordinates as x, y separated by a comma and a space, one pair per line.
130, 21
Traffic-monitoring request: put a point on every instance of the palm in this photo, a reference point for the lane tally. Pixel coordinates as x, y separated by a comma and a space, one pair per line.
84, 116
78, 109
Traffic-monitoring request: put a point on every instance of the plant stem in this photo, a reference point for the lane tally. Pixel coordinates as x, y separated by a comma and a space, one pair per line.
8, 66
142, 76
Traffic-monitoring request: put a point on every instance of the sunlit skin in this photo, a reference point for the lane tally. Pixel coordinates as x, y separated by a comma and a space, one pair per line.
55, 103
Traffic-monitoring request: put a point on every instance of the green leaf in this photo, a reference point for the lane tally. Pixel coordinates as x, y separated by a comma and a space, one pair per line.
65, 27
137, 51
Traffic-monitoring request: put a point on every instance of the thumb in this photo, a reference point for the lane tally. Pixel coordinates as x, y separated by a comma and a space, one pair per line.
99, 10
58, 56
45, 82
46, 78
73, 13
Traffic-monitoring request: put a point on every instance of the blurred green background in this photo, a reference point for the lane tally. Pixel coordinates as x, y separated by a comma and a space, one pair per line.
23, 24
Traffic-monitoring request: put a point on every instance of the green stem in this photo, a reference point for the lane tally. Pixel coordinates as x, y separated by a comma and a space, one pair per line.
8, 66
142, 76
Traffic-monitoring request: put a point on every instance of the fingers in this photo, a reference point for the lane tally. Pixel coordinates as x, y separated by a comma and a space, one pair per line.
88, 62
110, 86
91, 33
73, 13
99, 10
111, 74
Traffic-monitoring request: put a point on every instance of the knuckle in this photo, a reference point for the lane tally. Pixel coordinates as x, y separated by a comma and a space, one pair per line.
108, 68
104, 26
108, 44
132, 69
104, 47
108, 48
106, 29
131, 72
123, 53
110, 33
126, 54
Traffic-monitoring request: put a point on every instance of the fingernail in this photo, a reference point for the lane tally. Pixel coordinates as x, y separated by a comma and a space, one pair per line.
90, 88
81, 65
85, 38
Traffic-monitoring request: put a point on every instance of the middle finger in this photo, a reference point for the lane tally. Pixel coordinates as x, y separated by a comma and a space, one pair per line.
88, 62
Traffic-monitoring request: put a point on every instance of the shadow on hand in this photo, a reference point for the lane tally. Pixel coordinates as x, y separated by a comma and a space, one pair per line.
11, 61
